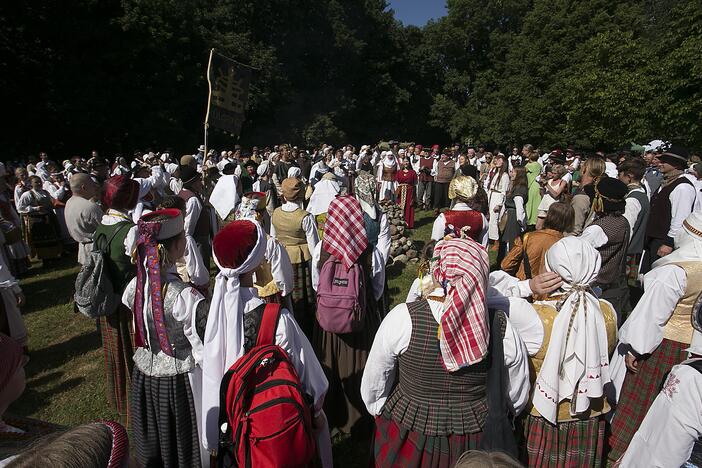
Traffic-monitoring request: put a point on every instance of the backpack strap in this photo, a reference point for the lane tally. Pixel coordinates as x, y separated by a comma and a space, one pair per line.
269, 323
697, 365
525, 257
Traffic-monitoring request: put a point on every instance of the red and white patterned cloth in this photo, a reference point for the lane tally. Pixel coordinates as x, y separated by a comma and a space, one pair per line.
462, 266
345, 231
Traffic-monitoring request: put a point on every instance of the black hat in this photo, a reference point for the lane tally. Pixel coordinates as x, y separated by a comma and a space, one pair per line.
608, 195
188, 174
675, 156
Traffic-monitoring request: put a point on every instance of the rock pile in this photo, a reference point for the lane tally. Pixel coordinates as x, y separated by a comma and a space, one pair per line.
402, 249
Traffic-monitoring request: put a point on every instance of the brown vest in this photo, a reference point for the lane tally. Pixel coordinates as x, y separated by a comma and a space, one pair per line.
389, 173
289, 232
444, 172
427, 398
613, 253
202, 226
547, 314
428, 164
679, 325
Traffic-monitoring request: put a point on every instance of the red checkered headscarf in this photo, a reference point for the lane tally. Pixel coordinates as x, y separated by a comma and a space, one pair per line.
462, 266
345, 231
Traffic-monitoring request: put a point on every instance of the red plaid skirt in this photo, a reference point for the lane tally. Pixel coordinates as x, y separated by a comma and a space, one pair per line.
395, 446
638, 392
116, 331
568, 444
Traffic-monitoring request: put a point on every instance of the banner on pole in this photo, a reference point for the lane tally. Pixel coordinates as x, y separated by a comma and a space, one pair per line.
229, 92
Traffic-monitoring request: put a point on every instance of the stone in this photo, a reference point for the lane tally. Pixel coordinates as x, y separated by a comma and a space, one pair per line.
411, 253
394, 230
395, 237
400, 259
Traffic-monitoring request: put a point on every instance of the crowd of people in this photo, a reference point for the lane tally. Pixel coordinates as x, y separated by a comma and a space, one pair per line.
579, 344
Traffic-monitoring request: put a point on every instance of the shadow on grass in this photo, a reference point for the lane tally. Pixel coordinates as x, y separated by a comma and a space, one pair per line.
55, 356
424, 220
48, 291
33, 400
350, 452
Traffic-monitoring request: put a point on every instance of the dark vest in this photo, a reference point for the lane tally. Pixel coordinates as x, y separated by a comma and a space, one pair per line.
427, 398
426, 165
661, 210
636, 243
202, 226
445, 172
613, 253
372, 227
119, 266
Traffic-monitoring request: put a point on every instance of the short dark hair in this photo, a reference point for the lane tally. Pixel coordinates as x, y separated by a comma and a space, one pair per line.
636, 168
560, 217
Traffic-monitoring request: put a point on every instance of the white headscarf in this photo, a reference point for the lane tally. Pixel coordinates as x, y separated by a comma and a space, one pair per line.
688, 242
389, 160
262, 169
576, 366
225, 197
294, 172
324, 192
224, 335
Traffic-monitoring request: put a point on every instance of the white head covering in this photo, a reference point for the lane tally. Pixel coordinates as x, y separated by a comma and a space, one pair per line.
294, 172
688, 242
576, 366
324, 192
224, 197
262, 169
224, 334
389, 159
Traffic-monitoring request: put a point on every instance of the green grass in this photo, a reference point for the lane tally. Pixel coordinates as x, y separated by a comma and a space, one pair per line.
65, 375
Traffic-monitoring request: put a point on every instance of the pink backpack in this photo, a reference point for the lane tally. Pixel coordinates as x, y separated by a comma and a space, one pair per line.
341, 297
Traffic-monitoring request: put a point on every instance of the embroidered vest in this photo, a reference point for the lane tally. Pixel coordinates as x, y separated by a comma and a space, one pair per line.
427, 398
471, 219
679, 325
289, 232
547, 314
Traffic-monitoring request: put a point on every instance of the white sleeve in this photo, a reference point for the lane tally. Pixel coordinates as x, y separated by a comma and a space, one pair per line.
437, 230
289, 337
379, 173
527, 324
663, 288
378, 273
435, 168
314, 268
672, 424
521, 214
517, 363
310, 227
130, 241
198, 272
281, 268
193, 207
383, 244
391, 340
185, 311
631, 212
682, 200
25, 202
594, 235
484, 239
414, 293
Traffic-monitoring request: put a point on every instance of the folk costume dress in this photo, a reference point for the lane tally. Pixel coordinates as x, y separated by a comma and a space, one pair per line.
117, 235
11, 322
16, 249
428, 390
387, 169
296, 229
658, 331
580, 332
407, 180
498, 184
41, 227
238, 249
514, 209
533, 169
169, 325
344, 355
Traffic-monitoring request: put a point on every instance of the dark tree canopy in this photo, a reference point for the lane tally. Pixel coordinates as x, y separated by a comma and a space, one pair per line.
121, 75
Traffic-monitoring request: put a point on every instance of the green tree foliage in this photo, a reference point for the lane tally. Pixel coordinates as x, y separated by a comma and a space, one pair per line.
123, 74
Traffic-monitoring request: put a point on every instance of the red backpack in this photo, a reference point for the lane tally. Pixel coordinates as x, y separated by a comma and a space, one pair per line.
264, 419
